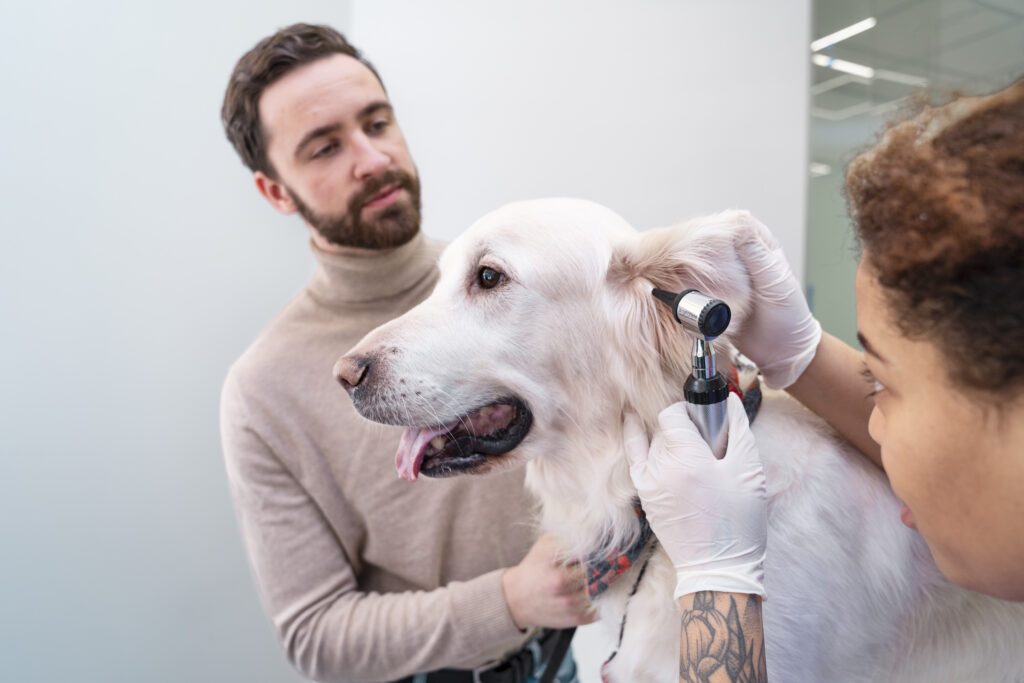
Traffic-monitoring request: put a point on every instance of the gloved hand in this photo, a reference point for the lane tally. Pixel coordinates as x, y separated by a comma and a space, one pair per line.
710, 515
780, 336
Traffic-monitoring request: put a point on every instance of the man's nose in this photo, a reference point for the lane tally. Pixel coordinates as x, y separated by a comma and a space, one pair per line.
352, 370
369, 159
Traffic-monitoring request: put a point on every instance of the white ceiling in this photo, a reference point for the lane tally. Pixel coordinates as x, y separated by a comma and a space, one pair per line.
967, 46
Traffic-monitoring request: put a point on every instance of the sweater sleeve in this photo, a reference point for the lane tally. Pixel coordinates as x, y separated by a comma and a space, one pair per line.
329, 628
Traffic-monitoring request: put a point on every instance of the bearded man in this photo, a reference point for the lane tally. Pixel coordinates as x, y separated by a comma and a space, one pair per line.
365, 577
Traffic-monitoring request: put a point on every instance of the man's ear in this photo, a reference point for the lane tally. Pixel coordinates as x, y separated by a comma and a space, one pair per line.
274, 192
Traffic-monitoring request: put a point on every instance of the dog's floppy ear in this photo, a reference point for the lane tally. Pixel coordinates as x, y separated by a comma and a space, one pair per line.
697, 254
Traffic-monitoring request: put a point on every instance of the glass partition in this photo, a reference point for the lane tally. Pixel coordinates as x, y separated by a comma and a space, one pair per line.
869, 57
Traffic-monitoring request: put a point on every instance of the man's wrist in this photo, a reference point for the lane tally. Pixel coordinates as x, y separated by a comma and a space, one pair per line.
510, 589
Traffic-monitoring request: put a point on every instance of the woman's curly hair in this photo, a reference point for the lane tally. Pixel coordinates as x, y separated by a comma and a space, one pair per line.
938, 207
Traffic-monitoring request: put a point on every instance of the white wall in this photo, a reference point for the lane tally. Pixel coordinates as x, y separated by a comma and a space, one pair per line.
136, 260
660, 110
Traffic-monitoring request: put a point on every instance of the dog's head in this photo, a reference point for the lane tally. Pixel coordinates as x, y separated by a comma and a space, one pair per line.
540, 332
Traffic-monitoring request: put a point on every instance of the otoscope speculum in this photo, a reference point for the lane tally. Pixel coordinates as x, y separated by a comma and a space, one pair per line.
697, 312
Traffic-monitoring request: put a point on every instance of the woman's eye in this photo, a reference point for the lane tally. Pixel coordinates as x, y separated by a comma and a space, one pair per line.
489, 278
876, 386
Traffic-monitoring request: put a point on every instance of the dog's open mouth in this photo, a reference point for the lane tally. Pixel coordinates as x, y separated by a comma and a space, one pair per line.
465, 443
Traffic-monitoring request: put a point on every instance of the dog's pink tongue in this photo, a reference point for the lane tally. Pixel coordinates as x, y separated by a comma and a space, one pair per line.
410, 449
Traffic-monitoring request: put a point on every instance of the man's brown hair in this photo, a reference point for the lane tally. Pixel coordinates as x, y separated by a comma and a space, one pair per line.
268, 61
938, 206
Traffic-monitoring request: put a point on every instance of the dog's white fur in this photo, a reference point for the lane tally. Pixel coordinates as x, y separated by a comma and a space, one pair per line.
574, 332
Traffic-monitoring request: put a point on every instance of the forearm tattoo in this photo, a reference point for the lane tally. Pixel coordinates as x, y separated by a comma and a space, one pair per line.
719, 643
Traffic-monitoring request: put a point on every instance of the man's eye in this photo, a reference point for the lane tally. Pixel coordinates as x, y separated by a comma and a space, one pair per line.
378, 127
325, 150
488, 278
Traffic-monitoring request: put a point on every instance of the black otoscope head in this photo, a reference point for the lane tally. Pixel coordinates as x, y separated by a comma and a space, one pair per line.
699, 313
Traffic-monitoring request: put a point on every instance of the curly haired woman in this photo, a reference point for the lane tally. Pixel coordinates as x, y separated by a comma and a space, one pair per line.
938, 207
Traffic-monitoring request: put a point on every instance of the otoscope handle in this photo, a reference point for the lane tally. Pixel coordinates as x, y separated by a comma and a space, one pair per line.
706, 406
706, 390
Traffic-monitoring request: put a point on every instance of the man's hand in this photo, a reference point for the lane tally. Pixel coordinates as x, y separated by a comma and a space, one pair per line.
543, 591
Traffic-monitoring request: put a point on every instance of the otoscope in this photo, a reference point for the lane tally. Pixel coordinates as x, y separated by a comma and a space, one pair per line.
706, 390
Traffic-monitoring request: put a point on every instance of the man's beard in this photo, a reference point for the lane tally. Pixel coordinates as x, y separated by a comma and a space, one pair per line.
389, 227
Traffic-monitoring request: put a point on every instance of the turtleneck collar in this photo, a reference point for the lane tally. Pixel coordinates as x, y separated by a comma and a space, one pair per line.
343, 280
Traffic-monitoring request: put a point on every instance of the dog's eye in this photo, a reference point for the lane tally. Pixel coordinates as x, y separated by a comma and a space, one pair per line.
489, 278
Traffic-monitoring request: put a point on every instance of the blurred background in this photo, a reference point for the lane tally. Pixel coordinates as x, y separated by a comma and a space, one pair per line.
138, 260
872, 60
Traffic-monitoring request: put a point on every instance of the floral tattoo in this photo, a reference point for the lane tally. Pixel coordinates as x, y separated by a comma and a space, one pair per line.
719, 645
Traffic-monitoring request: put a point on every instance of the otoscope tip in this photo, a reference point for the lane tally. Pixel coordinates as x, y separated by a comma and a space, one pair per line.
668, 297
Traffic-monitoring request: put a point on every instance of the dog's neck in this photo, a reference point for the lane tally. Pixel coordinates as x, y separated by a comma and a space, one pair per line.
586, 493
587, 497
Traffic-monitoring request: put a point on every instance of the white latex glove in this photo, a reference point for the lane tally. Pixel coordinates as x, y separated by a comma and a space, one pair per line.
780, 336
710, 515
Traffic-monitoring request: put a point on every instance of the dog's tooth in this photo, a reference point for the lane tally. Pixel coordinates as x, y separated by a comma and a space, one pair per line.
439, 441
486, 410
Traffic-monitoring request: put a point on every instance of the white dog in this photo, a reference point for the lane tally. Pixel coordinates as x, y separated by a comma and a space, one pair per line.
542, 331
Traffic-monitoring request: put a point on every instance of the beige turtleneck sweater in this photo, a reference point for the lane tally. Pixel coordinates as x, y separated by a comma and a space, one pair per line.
365, 576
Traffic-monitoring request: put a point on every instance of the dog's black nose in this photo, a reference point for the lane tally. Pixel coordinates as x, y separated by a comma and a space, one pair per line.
351, 370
